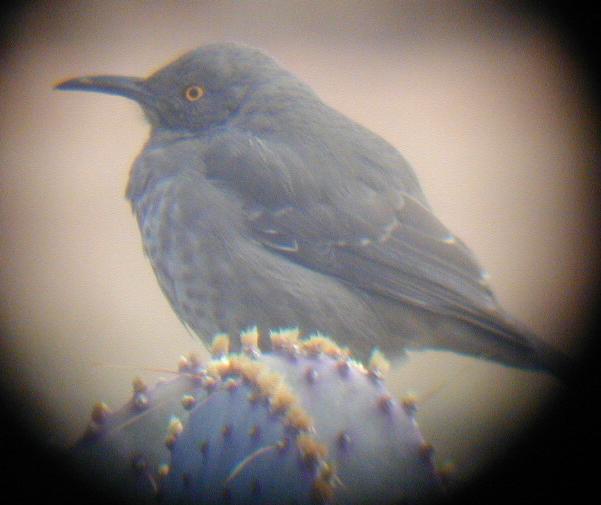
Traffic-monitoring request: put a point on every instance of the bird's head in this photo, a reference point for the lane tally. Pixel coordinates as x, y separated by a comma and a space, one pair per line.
202, 88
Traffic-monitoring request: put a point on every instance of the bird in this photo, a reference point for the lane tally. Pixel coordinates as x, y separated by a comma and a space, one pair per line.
261, 206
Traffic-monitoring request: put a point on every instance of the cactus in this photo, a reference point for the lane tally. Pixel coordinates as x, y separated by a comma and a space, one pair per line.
304, 423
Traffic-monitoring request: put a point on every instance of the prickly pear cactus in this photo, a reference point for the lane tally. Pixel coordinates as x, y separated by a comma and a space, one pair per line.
302, 424
125, 449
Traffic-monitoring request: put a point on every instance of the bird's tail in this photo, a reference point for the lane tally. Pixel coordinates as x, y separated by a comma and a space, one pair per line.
513, 345
496, 338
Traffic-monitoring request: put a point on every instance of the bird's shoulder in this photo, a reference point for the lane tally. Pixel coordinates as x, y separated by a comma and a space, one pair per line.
307, 154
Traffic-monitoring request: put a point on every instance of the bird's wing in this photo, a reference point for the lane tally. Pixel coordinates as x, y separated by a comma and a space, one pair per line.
411, 258
366, 229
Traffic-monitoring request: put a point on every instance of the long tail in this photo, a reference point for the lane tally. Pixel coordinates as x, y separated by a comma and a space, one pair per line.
514, 345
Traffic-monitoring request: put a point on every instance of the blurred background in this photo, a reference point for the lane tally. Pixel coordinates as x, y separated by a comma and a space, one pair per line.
491, 104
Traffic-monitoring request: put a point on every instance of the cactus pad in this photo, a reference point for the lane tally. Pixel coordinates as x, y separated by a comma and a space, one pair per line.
302, 424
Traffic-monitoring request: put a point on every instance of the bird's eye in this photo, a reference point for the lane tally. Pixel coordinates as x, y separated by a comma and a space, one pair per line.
194, 93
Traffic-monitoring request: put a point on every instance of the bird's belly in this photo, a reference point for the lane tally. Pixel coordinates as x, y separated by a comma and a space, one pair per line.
218, 280
190, 265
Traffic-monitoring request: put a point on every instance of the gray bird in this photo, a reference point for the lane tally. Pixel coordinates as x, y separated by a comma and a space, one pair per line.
260, 205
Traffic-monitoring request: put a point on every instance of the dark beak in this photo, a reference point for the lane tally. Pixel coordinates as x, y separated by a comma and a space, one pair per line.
129, 87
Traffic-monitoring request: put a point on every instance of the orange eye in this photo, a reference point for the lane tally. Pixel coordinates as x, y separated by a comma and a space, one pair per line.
194, 93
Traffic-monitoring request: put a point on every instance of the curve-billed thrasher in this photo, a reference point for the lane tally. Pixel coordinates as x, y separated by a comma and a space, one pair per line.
260, 205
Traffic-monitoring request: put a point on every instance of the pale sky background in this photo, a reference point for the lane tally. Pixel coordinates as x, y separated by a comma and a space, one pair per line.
487, 105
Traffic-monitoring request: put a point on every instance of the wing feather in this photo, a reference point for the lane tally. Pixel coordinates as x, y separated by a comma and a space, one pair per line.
413, 258
359, 217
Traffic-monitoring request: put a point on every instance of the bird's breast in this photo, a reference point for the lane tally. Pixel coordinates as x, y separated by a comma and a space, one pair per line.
188, 227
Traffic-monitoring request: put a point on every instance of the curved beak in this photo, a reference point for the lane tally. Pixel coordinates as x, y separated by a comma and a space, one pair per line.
129, 87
